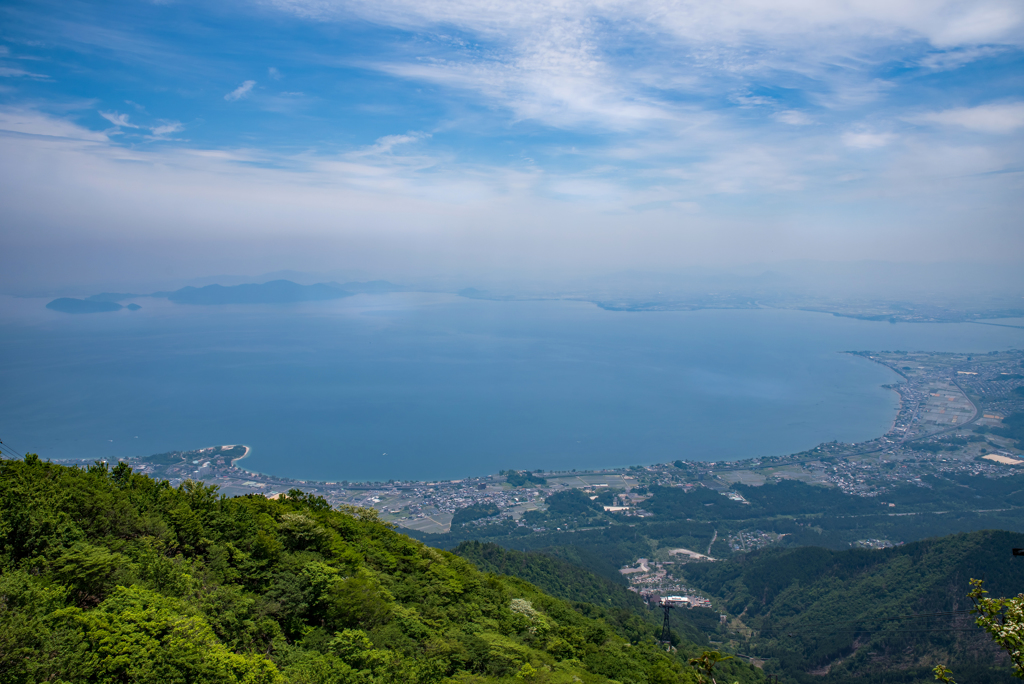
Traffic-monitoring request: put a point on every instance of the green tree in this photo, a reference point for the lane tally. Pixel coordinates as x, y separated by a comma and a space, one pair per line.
706, 661
1003, 619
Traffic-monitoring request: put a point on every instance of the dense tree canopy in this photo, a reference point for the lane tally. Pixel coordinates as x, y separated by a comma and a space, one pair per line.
108, 575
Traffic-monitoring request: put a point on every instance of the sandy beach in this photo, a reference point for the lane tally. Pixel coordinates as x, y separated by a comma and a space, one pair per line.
236, 460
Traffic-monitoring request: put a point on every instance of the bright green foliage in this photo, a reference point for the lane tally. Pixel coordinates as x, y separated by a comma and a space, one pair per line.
1003, 619
110, 576
705, 664
943, 674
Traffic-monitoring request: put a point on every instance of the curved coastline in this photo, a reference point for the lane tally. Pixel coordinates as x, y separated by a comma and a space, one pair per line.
866, 446
248, 450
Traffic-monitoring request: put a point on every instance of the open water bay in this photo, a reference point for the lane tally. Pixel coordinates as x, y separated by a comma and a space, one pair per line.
429, 386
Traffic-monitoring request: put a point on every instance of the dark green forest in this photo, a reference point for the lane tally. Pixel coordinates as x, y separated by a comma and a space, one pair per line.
474, 512
522, 478
1012, 426
110, 576
888, 615
552, 574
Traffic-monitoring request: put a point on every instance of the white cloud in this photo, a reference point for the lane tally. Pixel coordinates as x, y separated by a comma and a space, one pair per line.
988, 118
166, 128
954, 59
240, 92
33, 123
754, 169
941, 22
794, 118
867, 140
388, 143
394, 200
273, 73
13, 72
561, 63
119, 120
753, 101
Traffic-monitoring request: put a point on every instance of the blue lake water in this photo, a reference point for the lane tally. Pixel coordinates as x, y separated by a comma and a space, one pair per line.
426, 386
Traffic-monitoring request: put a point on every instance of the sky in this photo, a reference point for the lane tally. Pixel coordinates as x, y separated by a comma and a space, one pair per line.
154, 141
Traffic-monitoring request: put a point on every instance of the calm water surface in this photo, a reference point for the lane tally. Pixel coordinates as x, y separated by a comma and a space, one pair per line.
425, 386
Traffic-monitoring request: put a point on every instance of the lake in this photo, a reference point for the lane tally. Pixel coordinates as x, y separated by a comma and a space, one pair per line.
431, 386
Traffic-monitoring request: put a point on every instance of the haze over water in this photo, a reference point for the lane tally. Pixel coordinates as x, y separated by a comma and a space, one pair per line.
430, 386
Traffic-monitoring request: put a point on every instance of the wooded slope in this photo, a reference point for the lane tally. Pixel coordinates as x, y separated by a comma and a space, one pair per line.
112, 576
871, 615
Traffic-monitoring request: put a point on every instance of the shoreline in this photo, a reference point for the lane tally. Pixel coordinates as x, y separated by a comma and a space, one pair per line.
248, 450
915, 389
730, 464
860, 448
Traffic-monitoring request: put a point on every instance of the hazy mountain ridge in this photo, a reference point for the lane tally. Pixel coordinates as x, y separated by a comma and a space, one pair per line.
272, 292
865, 290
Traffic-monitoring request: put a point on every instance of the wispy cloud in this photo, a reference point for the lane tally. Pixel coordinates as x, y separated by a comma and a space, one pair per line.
241, 91
987, 118
398, 198
119, 120
560, 62
498, 117
388, 143
794, 118
867, 140
14, 72
942, 22
954, 59
27, 121
167, 128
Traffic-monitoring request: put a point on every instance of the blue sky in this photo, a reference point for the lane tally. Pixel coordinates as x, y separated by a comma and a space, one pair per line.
394, 136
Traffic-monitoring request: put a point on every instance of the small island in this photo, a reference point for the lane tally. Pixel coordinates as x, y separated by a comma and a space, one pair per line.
87, 306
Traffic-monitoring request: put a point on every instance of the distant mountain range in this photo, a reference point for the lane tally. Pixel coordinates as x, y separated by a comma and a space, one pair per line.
273, 292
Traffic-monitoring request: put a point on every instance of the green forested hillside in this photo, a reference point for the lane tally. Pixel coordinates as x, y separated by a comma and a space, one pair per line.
567, 580
110, 576
874, 616
554, 575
